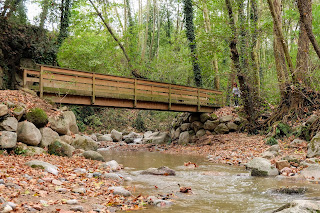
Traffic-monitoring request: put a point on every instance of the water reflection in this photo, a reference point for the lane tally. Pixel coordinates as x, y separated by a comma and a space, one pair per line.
216, 188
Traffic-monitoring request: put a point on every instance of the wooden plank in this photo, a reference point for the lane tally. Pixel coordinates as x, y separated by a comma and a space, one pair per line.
25, 78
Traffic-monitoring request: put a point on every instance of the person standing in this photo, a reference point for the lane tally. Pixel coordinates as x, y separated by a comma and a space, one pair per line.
236, 94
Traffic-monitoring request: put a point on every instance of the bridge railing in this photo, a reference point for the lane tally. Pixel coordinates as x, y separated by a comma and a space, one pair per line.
73, 82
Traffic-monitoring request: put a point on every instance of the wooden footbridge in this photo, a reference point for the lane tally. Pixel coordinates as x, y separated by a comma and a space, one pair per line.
70, 86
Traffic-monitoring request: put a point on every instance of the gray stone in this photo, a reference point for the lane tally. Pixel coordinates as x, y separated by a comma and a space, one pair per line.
163, 203
132, 137
13, 205
314, 147
196, 125
61, 148
48, 136
204, 117
106, 137
33, 150
185, 127
297, 142
211, 125
237, 121
262, 165
80, 142
184, 138
28, 133
118, 190
3, 109
43, 165
80, 171
18, 112
77, 209
274, 148
116, 136
201, 133
93, 155
226, 119
80, 190
6, 208
8, 139
156, 137
159, 171
232, 127
112, 165
72, 202
300, 206
9, 124
269, 154
175, 133
311, 171
62, 190
311, 119
221, 129
111, 176
66, 138
65, 124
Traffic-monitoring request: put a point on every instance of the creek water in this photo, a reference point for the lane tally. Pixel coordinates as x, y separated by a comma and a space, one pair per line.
216, 188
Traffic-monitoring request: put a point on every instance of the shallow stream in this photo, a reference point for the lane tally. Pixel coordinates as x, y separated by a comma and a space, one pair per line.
216, 188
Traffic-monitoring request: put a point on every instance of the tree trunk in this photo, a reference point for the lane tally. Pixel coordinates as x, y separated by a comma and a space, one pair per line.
144, 47
44, 13
64, 20
158, 29
303, 45
188, 11
153, 29
305, 15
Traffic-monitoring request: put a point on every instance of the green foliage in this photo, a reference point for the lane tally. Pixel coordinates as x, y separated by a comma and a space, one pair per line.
284, 130
303, 132
139, 123
38, 117
271, 141
19, 151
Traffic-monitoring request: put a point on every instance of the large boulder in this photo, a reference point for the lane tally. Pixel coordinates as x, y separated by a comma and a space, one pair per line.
28, 133
81, 142
166, 171
48, 136
226, 119
211, 125
106, 137
93, 155
312, 172
43, 165
116, 135
22, 148
132, 137
65, 124
232, 127
8, 139
196, 126
111, 165
261, 167
156, 137
300, 206
38, 117
314, 147
221, 129
201, 133
311, 119
60, 148
184, 138
185, 127
175, 133
18, 112
9, 124
204, 117
3, 109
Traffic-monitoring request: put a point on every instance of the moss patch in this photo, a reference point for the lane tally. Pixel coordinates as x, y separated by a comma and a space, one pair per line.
38, 117
258, 173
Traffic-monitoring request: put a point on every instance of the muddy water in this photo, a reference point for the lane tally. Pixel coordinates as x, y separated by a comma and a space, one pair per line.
216, 188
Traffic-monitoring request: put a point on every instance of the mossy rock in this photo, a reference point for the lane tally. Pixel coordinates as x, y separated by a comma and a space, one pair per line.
38, 117
60, 148
258, 173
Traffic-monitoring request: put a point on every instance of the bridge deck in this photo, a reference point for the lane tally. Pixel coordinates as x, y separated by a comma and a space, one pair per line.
69, 86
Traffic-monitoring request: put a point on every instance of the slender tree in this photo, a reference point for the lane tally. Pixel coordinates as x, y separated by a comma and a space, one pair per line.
188, 12
64, 20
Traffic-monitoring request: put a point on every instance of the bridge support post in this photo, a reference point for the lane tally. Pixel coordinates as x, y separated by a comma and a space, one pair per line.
169, 96
41, 82
198, 97
93, 99
135, 93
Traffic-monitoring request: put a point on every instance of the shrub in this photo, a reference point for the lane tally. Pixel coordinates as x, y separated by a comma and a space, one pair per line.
271, 141
38, 117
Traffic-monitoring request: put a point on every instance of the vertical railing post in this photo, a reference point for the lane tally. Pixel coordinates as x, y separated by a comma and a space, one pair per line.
198, 99
135, 93
41, 81
93, 99
170, 97
25, 78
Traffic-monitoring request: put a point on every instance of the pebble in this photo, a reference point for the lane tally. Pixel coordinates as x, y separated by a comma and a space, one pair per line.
7, 208
28, 177
62, 190
12, 205
96, 174
1, 181
118, 190
23, 183
43, 202
77, 208
79, 190
57, 182
72, 202
89, 175
40, 181
79, 170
